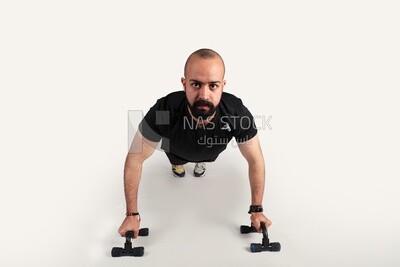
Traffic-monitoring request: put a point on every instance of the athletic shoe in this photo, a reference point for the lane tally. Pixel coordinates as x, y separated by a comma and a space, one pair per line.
199, 169
178, 170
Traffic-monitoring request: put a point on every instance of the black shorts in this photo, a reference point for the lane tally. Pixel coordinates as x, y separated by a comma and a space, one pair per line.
176, 160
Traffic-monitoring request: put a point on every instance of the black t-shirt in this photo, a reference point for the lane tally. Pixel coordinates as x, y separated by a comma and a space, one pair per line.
169, 120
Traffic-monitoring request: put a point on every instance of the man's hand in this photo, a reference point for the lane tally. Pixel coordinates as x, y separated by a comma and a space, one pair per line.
131, 223
256, 218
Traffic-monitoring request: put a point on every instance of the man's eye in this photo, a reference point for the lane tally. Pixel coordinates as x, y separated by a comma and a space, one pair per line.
213, 86
195, 85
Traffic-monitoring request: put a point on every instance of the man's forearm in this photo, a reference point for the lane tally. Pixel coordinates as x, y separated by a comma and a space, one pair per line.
132, 174
257, 182
140, 150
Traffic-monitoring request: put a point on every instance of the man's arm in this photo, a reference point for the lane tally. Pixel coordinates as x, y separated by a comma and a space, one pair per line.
251, 151
140, 150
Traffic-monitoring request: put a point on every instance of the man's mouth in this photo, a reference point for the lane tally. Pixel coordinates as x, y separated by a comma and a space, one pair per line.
203, 107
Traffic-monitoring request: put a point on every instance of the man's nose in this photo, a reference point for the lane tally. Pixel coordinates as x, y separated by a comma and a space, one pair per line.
204, 92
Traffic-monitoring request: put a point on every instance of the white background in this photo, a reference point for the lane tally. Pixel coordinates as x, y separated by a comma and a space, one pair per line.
326, 71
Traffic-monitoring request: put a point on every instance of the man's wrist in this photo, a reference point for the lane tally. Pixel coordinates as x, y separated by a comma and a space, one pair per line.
133, 214
255, 209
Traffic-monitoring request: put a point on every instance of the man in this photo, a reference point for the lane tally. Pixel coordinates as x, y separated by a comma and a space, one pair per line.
195, 125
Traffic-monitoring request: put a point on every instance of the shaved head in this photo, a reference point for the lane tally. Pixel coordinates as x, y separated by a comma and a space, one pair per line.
204, 53
203, 82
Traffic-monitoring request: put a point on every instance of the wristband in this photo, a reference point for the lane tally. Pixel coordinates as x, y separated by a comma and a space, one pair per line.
255, 208
133, 214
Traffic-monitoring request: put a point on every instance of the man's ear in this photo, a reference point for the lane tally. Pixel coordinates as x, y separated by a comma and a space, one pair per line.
223, 83
183, 81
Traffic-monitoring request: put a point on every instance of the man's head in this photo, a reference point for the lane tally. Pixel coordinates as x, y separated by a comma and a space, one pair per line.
204, 82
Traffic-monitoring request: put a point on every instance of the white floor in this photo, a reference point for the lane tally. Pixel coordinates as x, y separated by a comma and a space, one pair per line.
195, 222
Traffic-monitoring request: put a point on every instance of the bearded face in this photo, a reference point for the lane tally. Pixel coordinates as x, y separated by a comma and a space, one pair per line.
202, 109
203, 84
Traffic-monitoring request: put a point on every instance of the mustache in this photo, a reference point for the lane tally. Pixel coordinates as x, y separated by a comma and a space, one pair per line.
202, 102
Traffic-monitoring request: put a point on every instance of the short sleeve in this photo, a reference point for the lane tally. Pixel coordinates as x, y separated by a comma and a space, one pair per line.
246, 127
153, 124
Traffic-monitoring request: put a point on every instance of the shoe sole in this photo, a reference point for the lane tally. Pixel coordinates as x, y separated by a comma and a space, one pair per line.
201, 175
176, 175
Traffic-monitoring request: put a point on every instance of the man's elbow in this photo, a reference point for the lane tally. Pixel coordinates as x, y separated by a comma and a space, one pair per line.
133, 160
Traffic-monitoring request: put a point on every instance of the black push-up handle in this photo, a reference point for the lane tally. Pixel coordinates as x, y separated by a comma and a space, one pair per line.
265, 244
128, 250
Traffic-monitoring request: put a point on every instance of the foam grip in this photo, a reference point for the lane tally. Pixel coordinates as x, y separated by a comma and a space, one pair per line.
274, 246
255, 247
116, 252
138, 251
144, 232
244, 229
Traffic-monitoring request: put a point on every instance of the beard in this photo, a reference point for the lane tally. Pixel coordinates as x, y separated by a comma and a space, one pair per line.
202, 113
